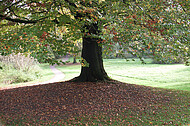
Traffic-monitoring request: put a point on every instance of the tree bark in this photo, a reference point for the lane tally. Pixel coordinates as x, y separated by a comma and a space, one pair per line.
74, 59
92, 53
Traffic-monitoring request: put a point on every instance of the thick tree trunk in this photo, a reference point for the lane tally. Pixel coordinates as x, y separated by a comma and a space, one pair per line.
92, 53
74, 60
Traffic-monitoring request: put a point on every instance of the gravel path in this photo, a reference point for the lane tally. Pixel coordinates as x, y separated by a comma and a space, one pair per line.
58, 76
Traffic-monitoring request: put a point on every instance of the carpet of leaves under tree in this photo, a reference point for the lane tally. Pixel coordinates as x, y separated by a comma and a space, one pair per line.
60, 103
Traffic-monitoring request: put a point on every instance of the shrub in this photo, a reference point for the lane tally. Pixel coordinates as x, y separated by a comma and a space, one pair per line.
18, 68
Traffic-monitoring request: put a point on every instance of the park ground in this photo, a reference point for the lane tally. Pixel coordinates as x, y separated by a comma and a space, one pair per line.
150, 94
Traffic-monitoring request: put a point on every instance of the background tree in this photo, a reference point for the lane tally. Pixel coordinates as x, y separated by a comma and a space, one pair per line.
148, 27
152, 29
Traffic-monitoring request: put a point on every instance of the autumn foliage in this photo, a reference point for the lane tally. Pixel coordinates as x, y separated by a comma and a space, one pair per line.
131, 24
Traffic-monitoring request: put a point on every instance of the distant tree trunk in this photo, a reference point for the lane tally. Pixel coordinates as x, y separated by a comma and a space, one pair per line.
92, 53
74, 59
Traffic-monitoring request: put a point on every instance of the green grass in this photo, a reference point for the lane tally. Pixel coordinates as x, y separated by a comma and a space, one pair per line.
70, 71
174, 76
170, 76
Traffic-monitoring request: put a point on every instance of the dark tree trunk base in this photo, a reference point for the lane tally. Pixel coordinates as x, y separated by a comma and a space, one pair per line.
82, 79
92, 53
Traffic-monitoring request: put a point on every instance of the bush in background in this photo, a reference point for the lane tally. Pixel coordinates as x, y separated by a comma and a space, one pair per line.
16, 68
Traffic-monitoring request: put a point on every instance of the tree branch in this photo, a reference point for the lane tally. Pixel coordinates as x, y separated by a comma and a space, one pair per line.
18, 20
24, 21
77, 15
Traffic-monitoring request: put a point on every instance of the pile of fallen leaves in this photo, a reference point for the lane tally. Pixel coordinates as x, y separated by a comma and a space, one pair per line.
90, 103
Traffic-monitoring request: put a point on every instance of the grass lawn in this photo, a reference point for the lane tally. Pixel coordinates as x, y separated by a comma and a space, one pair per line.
70, 71
175, 76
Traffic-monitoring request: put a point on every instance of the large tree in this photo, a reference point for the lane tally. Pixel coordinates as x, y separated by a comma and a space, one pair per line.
148, 27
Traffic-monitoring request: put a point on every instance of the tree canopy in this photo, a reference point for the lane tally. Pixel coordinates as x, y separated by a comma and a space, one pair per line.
156, 28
